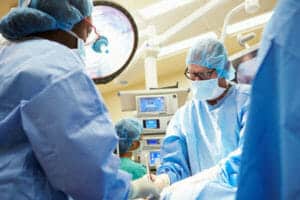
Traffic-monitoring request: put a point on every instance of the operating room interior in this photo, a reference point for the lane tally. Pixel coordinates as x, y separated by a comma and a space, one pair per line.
166, 30
152, 86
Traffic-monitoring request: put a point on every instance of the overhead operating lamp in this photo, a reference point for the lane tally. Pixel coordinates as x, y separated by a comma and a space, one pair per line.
116, 44
250, 6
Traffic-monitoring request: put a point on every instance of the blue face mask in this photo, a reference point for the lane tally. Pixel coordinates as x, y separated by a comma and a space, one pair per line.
80, 45
206, 89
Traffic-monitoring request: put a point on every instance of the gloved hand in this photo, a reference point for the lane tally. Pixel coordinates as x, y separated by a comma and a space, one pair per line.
143, 188
161, 181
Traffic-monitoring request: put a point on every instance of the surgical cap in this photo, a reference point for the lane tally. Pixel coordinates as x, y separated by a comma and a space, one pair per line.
212, 54
43, 15
128, 130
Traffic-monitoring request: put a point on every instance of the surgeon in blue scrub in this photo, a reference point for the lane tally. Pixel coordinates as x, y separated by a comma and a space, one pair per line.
53, 122
271, 156
206, 134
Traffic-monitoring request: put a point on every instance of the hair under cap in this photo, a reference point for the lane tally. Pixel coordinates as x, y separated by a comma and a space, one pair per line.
128, 130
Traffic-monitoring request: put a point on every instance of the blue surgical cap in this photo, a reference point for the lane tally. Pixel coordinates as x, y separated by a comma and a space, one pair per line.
212, 54
128, 130
43, 15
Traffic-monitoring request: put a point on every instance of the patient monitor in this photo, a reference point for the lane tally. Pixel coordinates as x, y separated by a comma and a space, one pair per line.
148, 105
154, 109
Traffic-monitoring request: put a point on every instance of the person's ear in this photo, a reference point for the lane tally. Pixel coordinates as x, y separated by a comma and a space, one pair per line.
82, 29
135, 145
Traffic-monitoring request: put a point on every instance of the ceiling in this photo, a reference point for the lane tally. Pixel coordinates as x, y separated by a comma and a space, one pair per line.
209, 20
212, 20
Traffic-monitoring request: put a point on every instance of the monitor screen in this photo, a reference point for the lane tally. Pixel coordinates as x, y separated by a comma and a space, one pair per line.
153, 141
152, 104
154, 157
151, 123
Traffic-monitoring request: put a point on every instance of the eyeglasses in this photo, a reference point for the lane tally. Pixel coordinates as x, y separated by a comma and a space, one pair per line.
201, 75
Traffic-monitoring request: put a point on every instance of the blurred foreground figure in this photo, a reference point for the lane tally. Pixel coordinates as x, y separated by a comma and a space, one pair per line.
271, 156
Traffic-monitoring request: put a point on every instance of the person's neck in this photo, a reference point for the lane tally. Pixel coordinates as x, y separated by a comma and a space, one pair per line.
216, 100
126, 155
59, 36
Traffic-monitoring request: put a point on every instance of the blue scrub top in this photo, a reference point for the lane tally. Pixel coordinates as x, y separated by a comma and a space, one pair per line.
201, 136
137, 170
56, 138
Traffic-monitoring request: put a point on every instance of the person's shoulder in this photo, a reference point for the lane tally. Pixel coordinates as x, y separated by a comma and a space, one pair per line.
42, 48
38, 62
51, 59
128, 164
183, 108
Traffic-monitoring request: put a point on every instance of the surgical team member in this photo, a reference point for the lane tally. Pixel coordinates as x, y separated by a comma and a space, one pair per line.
207, 132
271, 157
53, 122
129, 131
247, 69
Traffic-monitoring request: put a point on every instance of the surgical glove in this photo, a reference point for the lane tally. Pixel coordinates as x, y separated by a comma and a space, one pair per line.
143, 188
161, 181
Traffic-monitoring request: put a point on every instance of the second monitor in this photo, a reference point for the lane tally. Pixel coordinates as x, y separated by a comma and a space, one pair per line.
156, 105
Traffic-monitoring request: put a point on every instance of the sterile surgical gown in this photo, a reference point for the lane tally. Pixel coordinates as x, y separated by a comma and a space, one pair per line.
56, 138
271, 156
201, 136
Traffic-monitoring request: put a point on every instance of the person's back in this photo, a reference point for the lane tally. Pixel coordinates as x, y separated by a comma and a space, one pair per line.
42, 83
56, 136
24, 76
53, 123
137, 170
33, 65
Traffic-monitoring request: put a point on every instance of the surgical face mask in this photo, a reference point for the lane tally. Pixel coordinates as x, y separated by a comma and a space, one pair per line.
80, 45
206, 89
246, 71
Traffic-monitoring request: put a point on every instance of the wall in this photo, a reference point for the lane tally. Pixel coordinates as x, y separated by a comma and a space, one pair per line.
5, 6
113, 102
